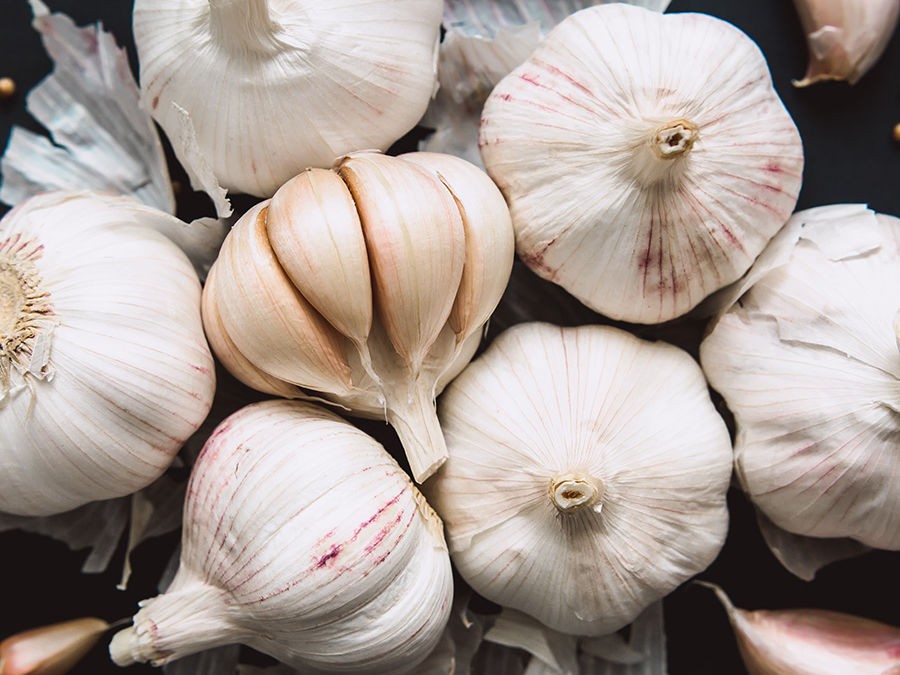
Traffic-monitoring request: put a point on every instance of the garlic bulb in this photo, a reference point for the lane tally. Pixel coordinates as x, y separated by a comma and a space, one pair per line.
370, 283
304, 539
50, 650
845, 37
587, 474
104, 370
643, 173
812, 641
275, 86
808, 362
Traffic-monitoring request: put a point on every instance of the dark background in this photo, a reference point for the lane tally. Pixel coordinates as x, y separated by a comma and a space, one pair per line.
850, 157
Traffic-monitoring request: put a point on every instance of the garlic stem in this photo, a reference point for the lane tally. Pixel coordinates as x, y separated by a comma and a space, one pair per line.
574, 491
654, 157
674, 139
243, 25
415, 420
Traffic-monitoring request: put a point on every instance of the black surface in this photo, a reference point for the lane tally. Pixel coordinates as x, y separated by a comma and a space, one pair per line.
850, 157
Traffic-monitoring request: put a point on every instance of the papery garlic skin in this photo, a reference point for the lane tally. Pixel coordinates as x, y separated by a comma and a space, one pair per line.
845, 37
643, 173
809, 365
304, 539
104, 370
369, 284
275, 86
587, 474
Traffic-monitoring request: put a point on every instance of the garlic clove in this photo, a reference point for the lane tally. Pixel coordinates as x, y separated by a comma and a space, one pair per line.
845, 37
267, 319
490, 246
50, 650
811, 641
416, 243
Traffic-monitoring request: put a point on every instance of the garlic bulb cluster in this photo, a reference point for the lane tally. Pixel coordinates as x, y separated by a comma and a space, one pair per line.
104, 370
369, 283
809, 363
845, 37
275, 86
646, 158
305, 540
587, 474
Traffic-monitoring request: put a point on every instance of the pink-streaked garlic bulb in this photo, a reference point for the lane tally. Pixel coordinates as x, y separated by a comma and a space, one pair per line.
305, 540
646, 158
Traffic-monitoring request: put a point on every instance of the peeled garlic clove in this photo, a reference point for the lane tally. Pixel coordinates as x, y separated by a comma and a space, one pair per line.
808, 364
845, 37
341, 567
272, 87
577, 455
104, 370
812, 641
50, 650
642, 174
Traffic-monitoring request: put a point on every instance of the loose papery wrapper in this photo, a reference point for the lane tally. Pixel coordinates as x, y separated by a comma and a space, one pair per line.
808, 363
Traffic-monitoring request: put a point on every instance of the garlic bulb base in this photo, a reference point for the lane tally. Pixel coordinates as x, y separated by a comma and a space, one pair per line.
416, 423
674, 139
574, 491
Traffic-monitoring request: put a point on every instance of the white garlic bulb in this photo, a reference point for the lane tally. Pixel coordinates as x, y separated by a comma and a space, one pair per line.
104, 370
646, 158
275, 86
809, 363
304, 539
587, 474
370, 283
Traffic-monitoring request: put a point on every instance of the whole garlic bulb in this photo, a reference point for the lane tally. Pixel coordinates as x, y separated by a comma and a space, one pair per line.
646, 158
809, 364
104, 370
275, 86
587, 474
305, 540
370, 283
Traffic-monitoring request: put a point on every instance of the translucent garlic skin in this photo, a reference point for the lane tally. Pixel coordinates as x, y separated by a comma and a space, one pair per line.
276, 86
369, 284
809, 364
587, 474
642, 172
304, 539
104, 369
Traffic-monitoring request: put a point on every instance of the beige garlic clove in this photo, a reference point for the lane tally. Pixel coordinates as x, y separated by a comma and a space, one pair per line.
811, 641
845, 37
50, 650
642, 174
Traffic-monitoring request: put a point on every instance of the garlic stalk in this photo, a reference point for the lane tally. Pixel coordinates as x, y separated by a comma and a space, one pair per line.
644, 173
811, 641
587, 474
808, 363
845, 37
50, 650
340, 567
104, 371
370, 284
275, 86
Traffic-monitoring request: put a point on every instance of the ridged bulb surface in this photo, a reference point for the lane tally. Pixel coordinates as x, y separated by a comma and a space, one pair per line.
587, 474
104, 369
305, 540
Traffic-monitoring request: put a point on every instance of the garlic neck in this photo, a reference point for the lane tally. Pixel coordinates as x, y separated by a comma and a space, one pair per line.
572, 492
661, 153
243, 25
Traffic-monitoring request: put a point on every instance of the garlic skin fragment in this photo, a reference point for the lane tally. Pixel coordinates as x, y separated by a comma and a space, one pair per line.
587, 474
50, 650
643, 173
104, 370
845, 37
305, 540
369, 284
808, 363
272, 87
811, 641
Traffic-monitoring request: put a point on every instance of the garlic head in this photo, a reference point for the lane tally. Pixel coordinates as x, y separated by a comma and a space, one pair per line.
104, 370
369, 284
275, 86
305, 540
587, 474
642, 173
